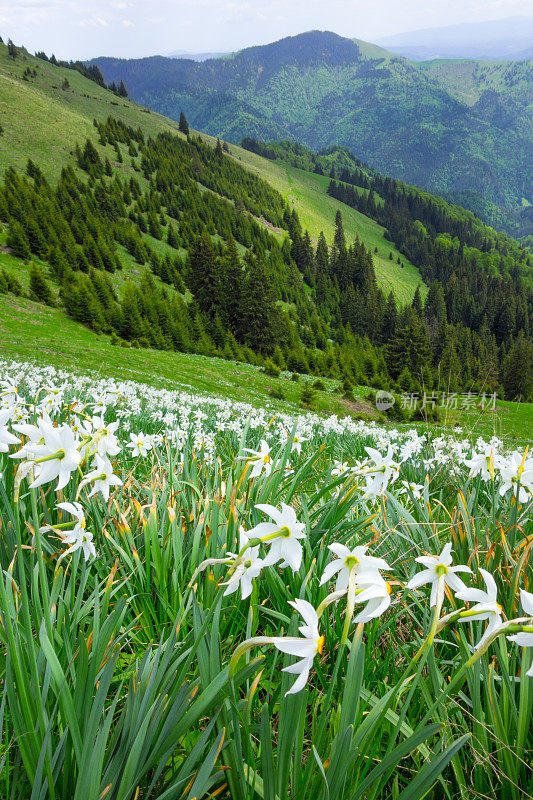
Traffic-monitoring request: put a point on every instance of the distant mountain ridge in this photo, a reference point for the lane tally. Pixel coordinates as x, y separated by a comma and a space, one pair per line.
195, 56
407, 119
503, 39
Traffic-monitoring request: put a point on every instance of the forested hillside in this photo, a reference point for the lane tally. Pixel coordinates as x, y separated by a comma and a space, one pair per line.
163, 240
403, 118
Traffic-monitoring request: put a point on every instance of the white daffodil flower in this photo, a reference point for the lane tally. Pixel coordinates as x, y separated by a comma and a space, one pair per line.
525, 639
58, 456
485, 608
140, 444
78, 538
297, 444
340, 468
517, 472
482, 463
248, 568
415, 489
304, 648
8, 392
435, 567
282, 536
6, 437
101, 476
346, 560
106, 442
383, 471
376, 593
260, 459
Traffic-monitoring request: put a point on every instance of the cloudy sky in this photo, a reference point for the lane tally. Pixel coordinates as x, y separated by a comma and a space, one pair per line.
86, 28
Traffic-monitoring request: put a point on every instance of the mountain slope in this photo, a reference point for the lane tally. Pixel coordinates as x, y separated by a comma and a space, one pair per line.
174, 242
322, 89
28, 107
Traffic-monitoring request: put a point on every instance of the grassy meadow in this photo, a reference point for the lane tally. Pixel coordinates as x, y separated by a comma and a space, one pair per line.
160, 551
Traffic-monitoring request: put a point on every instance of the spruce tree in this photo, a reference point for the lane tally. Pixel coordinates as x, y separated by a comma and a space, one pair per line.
259, 315
518, 370
39, 287
183, 125
409, 348
204, 276
18, 241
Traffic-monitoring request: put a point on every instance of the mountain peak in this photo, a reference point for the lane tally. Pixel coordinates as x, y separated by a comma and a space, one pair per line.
309, 47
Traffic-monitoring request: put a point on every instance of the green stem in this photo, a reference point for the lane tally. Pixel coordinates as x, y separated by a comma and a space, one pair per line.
42, 568
428, 641
350, 606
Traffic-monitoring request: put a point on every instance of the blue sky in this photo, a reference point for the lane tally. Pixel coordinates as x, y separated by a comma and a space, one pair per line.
132, 28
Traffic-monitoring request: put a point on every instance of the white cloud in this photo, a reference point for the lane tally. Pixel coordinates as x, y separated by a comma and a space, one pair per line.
81, 29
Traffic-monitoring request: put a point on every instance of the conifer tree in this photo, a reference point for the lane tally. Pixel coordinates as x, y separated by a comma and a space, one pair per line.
231, 276
259, 315
518, 370
39, 287
18, 241
204, 276
183, 125
409, 348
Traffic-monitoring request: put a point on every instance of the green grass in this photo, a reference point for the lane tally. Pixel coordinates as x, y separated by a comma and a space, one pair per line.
306, 192
32, 332
43, 122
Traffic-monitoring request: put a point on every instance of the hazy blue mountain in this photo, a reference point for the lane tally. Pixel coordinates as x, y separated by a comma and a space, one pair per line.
195, 56
507, 39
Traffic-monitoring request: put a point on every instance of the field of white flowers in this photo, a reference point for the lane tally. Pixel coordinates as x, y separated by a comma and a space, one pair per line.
201, 600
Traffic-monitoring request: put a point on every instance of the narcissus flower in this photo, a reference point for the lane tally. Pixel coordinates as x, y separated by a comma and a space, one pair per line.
260, 459
482, 463
248, 568
282, 535
102, 477
304, 648
356, 559
517, 475
140, 444
382, 472
78, 538
6, 437
525, 639
297, 444
105, 440
58, 456
485, 608
437, 566
376, 594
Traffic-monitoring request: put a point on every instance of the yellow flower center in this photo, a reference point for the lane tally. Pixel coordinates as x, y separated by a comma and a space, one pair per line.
320, 644
266, 459
285, 532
